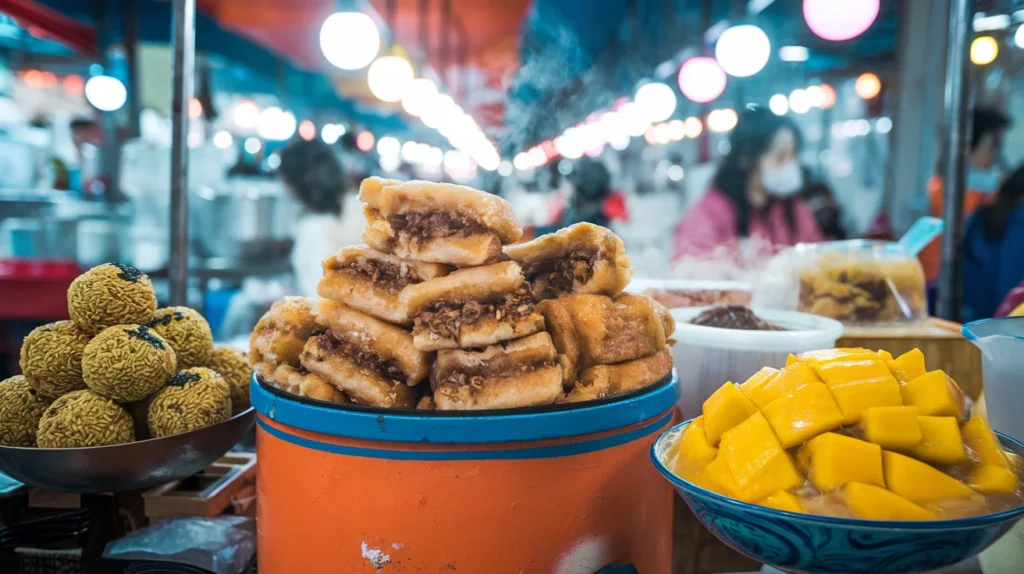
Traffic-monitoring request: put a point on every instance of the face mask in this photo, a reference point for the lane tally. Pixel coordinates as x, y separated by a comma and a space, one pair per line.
783, 181
984, 180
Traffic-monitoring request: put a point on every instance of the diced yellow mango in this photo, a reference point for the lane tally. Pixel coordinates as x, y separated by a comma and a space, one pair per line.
979, 438
826, 356
892, 427
782, 500
724, 409
791, 359
785, 382
889, 361
993, 479
875, 503
919, 482
803, 414
694, 449
860, 383
935, 395
757, 460
753, 385
940, 441
833, 460
718, 477
910, 365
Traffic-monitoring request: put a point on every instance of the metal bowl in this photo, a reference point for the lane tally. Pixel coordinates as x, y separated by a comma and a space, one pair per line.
130, 466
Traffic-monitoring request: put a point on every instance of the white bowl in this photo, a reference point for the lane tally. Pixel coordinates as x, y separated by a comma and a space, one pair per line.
708, 357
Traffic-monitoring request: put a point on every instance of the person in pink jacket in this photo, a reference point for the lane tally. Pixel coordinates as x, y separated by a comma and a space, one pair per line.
752, 209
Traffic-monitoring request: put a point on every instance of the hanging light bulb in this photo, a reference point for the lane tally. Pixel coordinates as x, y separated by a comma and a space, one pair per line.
349, 40
657, 100
389, 77
838, 21
743, 51
701, 79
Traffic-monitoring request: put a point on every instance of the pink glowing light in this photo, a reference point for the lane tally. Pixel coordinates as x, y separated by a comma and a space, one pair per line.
701, 79
838, 21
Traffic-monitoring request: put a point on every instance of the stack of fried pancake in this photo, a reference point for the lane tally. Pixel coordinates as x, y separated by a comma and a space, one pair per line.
437, 292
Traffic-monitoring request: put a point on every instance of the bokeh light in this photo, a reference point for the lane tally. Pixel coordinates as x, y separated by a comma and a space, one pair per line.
867, 86
195, 109
799, 102
276, 124
658, 100
252, 145
246, 114
779, 104
307, 130
418, 96
840, 20
693, 127
984, 50
105, 93
722, 120
365, 141
223, 139
743, 50
828, 96
389, 146
349, 40
389, 77
701, 79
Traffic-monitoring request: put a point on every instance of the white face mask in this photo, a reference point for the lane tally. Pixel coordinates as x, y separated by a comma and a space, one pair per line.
984, 180
783, 181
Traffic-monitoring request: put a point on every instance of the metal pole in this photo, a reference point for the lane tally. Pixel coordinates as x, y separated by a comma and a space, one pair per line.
131, 56
184, 51
954, 182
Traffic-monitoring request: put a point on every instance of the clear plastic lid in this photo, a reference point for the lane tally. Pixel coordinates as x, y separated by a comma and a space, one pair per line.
856, 282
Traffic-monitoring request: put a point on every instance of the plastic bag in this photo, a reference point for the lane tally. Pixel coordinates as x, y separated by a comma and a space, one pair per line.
223, 545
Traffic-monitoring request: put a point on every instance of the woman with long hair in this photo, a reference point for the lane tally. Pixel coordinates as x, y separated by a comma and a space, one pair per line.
994, 250
752, 209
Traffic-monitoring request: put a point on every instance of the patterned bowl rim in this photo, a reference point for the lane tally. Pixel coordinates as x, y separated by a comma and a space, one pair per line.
922, 525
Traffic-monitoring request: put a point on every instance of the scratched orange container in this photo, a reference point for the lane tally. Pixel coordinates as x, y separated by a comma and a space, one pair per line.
551, 490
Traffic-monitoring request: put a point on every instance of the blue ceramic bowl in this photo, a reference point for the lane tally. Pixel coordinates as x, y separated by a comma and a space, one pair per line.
824, 545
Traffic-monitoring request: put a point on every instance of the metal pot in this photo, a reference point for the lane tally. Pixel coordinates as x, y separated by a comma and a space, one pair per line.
246, 219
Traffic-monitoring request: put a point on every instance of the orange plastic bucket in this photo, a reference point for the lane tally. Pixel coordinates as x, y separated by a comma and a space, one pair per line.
348, 490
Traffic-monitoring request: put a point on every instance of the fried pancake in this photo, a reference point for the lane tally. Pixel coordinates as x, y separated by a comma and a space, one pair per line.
296, 382
472, 308
364, 386
282, 332
372, 281
606, 330
563, 333
603, 381
582, 258
373, 343
436, 222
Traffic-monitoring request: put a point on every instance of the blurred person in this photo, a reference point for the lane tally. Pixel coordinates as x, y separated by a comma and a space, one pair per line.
590, 198
753, 208
826, 210
994, 250
312, 173
983, 177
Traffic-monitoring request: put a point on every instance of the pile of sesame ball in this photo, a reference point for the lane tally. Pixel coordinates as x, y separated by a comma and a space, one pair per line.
120, 370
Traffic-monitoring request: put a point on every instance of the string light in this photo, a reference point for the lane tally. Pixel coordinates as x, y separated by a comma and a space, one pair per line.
349, 40
984, 50
867, 86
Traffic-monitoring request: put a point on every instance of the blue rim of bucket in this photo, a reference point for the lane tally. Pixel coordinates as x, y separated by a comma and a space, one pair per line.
970, 329
919, 525
465, 427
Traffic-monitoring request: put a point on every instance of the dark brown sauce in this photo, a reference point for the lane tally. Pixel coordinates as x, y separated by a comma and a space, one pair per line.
734, 317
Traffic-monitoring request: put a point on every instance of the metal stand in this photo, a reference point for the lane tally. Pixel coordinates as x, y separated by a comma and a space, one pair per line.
183, 50
954, 181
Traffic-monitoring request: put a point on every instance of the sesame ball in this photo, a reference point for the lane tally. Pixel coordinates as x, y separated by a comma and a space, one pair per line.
83, 418
187, 332
192, 399
51, 358
111, 294
127, 363
20, 409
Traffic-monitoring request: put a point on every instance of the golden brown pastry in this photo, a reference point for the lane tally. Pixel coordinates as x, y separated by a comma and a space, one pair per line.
282, 332
436, 222
582, 258
362, 382
299, 382
373, 282
472, 308
598, 330
518, 373
603, 381
373, 344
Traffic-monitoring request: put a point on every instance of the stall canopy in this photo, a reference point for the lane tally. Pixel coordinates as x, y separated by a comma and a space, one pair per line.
293, 78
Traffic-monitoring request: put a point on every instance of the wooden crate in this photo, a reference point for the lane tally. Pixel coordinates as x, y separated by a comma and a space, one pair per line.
940, 341
230, 482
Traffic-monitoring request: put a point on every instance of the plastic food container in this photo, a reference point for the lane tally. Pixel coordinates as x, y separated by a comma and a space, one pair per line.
856, 282
707, 357
680, 293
